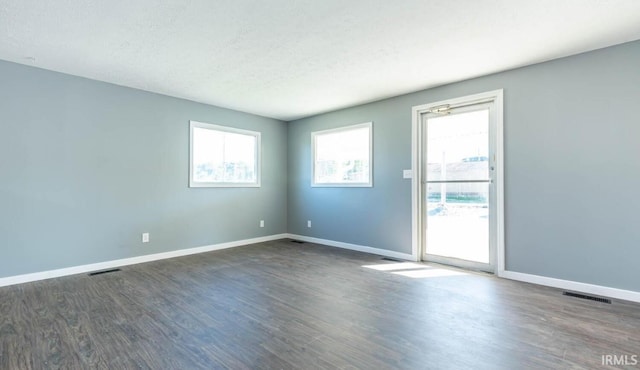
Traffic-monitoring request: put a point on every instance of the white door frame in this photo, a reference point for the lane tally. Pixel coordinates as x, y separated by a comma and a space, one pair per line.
495, 96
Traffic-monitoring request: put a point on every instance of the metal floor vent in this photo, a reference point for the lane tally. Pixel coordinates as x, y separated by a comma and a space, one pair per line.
297, 241
103, 272
589, 297
390, 259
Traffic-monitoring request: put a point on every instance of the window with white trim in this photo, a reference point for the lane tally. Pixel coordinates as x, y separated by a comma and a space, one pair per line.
342, 157
222, 156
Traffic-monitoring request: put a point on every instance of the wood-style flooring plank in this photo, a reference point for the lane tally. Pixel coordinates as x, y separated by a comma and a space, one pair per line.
282, 305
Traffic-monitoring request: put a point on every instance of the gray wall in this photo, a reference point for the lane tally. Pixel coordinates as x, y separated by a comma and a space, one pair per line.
86, 167
572, 169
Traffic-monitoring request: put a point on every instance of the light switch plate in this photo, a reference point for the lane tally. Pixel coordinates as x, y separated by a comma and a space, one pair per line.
407, 174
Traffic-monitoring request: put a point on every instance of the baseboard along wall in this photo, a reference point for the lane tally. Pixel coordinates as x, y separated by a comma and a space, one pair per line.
599, 290
26, 278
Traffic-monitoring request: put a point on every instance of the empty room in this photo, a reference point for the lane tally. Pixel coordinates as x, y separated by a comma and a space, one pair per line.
420, 184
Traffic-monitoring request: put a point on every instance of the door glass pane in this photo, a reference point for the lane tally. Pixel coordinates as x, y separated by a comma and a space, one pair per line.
458, 146
458, 221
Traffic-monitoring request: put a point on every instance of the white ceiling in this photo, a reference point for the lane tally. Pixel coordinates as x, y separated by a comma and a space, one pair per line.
289, 59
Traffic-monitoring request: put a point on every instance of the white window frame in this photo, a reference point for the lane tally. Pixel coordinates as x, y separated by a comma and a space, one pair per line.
314, 136
257, 154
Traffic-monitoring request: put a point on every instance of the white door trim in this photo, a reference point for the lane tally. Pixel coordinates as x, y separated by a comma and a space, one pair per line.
495, 96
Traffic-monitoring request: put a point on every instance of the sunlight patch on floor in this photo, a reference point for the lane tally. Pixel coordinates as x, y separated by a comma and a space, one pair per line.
428, 273
396, 266
414, 270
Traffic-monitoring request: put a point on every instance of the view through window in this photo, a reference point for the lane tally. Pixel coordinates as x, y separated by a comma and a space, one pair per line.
342, 157
224, 156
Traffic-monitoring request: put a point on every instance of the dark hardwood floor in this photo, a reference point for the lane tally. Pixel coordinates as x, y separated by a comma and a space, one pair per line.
282, 305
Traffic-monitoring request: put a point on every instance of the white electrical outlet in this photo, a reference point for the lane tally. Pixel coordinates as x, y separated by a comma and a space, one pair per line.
407, 174
261, 223
145, 237
309, 223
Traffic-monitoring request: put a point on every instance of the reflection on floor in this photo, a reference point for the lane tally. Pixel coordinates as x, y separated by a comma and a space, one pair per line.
415, 270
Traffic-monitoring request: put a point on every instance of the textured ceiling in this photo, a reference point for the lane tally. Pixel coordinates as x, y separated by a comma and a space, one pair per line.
289, 59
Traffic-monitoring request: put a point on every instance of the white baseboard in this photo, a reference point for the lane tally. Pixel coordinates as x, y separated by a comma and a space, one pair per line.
627, 295
26, 278
355, 247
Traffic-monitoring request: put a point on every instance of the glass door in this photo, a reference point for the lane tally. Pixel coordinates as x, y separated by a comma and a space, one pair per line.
457, 188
